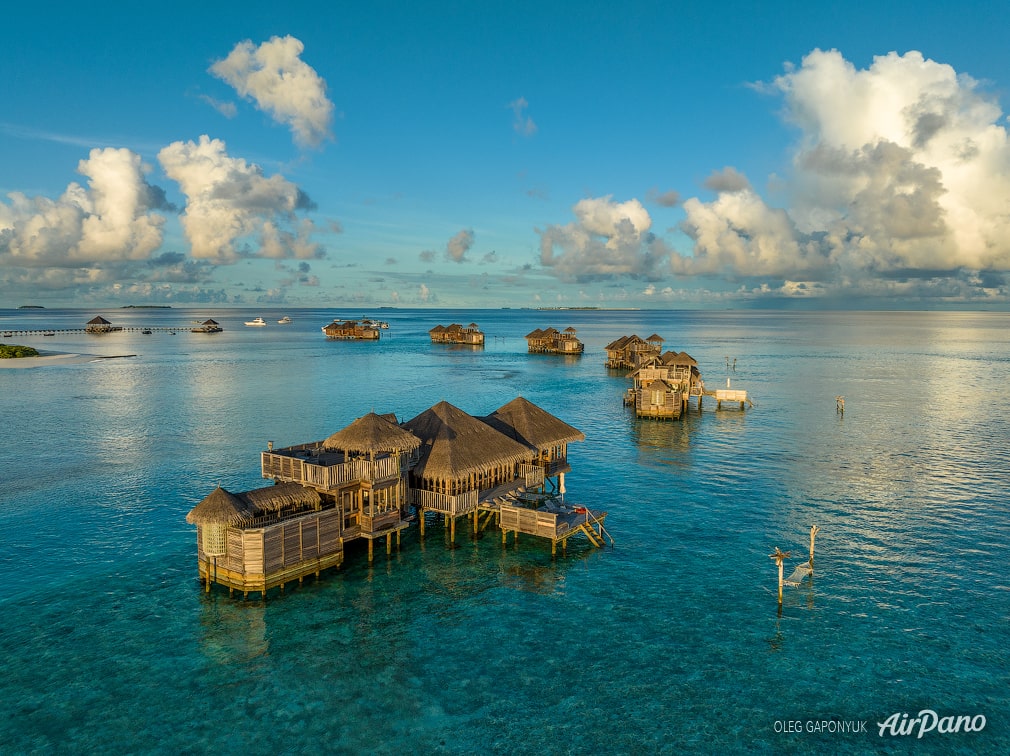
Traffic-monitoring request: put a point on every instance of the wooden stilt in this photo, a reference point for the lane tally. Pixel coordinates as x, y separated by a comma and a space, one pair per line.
452, 530
554, 547
389, 544
504, 536
779, 557
421, 518
398, 539
371, 548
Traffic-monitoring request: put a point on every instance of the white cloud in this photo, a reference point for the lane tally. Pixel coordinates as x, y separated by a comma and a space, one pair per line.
229, 200
901, 170
607, 239
521, 123
282, 85
110, 220
459, 245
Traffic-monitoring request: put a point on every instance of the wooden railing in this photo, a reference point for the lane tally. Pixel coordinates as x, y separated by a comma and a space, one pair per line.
451, 505
298, 470
531, 521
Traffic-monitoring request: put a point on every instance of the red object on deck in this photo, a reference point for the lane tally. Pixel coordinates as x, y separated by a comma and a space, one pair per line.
581, 510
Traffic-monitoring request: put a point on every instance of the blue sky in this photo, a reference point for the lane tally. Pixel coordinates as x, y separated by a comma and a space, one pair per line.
505, 154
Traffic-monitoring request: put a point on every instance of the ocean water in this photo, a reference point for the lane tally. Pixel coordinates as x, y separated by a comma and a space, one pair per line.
670, 641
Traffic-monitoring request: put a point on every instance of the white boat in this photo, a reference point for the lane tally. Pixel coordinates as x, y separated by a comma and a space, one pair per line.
256, 322
369, 323
282, 321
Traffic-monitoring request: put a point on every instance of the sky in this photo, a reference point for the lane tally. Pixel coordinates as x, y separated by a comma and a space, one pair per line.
506, 154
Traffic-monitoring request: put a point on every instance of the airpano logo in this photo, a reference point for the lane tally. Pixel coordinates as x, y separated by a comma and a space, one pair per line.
928, 721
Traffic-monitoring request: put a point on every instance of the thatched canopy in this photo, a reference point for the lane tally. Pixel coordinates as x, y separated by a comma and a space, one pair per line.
655, 337
570, 329
536, 333
438, 329
273, 498
220, 508
98, 320
225, 508
371, 434
455, 445
210, 322
528, 424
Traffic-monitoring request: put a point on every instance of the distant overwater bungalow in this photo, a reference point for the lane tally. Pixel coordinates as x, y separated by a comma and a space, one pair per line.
553, 341
664, 384
352, 330
376, 477
629, 352
457, 334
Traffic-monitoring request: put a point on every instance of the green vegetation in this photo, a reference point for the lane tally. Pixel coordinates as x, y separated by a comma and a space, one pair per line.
14, 350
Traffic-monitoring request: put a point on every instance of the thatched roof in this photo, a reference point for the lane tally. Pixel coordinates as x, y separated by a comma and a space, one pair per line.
655, 337
438, 329
98, 320
528, 424
570, 330
210, 322
678, 358
455, 444
659, 385
536, 333
272, 498
370, 434
220, 508
225, 508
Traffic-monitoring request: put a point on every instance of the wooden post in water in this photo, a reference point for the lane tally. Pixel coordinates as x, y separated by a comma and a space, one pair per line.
779, 557
840, 405
421, 518
814, 530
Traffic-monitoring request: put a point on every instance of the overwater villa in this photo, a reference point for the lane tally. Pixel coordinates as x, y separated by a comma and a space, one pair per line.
553, 341
375, 477
664, 384
98, 324
629, 352
457, 334
208, 326
352, 330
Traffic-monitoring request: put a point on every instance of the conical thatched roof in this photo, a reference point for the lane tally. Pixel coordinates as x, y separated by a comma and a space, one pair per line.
437, 329
455, 444
528, 424
370, 434
570, 329
536, 333
655, 337
98, 320
210, 322
220, 508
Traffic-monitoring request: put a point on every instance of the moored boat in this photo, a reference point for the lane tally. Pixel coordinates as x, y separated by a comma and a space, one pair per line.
256, 322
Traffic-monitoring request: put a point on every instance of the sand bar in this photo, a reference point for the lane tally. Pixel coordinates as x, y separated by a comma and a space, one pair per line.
54, 358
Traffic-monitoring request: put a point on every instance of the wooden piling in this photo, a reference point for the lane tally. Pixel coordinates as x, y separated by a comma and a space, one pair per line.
814, 530
779, 557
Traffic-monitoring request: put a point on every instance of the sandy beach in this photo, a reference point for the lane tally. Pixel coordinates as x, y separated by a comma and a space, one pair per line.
53, 358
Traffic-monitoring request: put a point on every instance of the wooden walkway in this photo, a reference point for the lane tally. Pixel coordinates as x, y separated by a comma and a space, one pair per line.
60, 331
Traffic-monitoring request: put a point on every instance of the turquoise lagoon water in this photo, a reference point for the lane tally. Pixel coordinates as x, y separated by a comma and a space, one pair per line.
669, 641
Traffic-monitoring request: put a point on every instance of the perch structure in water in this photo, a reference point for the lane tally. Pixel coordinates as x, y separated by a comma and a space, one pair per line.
375, 477
802, 570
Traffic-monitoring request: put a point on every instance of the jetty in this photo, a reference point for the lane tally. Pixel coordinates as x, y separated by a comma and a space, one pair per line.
553, 341
457, 334
96, 326
376, 477
352, 330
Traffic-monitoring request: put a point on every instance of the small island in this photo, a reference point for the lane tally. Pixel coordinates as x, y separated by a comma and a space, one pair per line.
14, 351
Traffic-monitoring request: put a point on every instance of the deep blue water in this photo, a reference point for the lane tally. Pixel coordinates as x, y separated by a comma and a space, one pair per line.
669, 641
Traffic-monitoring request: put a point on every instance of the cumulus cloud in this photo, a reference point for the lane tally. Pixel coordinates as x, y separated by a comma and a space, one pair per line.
521, 123
274, 76
899, 180
229, 201
112, 219
668, 198
459, 245
727, 180
606, 239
